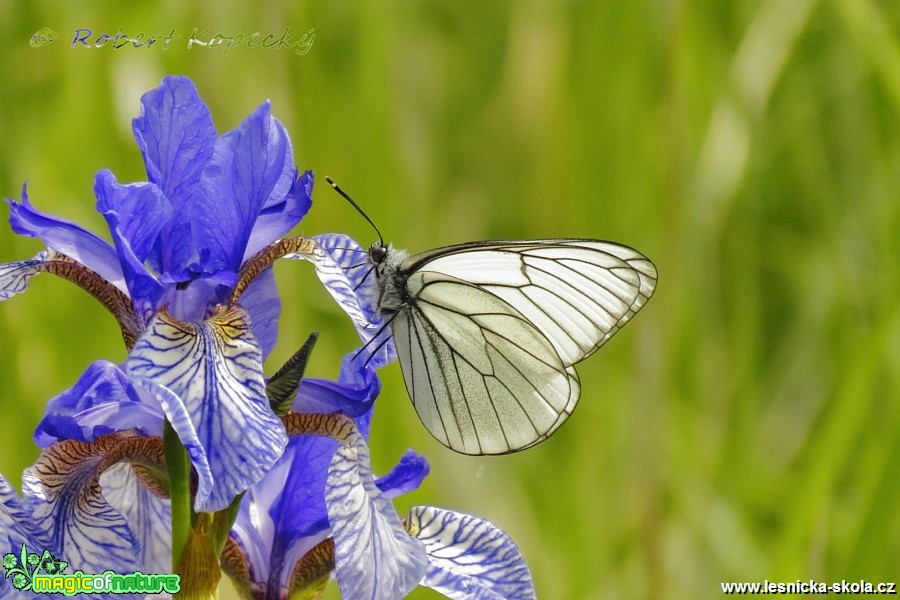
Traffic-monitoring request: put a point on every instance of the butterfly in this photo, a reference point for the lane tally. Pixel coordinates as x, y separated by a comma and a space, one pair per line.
487, 333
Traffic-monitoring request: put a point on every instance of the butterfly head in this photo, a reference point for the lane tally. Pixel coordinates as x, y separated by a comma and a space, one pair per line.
385, 257
386, 261
378, 252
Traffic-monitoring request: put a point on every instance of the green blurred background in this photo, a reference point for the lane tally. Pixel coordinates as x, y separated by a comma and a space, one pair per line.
744, 427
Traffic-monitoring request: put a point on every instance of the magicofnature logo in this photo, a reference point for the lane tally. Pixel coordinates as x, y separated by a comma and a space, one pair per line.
43, 574
24, 567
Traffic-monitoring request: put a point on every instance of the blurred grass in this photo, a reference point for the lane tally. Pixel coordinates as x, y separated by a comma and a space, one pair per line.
744, 427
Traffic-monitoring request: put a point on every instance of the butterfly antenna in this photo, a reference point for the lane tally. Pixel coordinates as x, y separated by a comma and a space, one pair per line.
356, 206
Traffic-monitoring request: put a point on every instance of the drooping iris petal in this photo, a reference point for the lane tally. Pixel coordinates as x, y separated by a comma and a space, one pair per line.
215, 368
468, 557
375, 557
180, 418
66, 499
147, 515
14, 276
250, 166
102, 401
176, 135
280, 215
349, 276
135, 213
343, 267
66, 238
18, 527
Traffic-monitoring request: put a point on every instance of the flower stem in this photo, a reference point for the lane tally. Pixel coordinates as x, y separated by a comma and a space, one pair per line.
178, 464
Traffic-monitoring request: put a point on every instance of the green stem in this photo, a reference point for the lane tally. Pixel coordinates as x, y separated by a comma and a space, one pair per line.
178, 464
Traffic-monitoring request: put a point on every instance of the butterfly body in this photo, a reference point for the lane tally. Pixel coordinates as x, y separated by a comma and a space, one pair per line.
487, 333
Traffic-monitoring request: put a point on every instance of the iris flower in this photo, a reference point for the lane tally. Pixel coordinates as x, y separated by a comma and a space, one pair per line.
170, 276
321, 511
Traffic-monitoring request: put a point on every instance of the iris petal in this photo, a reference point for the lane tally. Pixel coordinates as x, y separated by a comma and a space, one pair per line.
406, 476
251, 166
144, 513
299, 516
469, 558
17, 528
102, 401
215, 368
14, 276
352, 395
136, 213
140, 209
280, 215
374, 556
66, 238
67, 500
343, 267
176, 135
263, 304
181, 420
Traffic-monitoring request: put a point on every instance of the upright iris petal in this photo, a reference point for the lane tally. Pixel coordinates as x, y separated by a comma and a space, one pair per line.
176, 135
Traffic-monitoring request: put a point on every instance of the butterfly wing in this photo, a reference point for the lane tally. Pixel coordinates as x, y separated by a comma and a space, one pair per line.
578, 293
483, 379
492, 330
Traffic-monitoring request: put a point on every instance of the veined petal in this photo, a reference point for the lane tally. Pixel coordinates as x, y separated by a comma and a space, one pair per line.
140, 211
468, 557
17, 528
251, 166
16, 524
176, 135
280, 215
349, 276
136, 213
148, 516
374, 556
14, 276
177, 413
66, 498
343, 267
66, 238
215, 368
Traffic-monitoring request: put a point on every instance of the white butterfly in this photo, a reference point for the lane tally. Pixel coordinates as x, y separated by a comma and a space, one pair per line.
487, 333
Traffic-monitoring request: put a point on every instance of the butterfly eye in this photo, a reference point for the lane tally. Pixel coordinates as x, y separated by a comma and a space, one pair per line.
378, 252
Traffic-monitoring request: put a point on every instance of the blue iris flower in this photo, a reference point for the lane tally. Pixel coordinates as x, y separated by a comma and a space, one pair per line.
179, 242
321, 511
